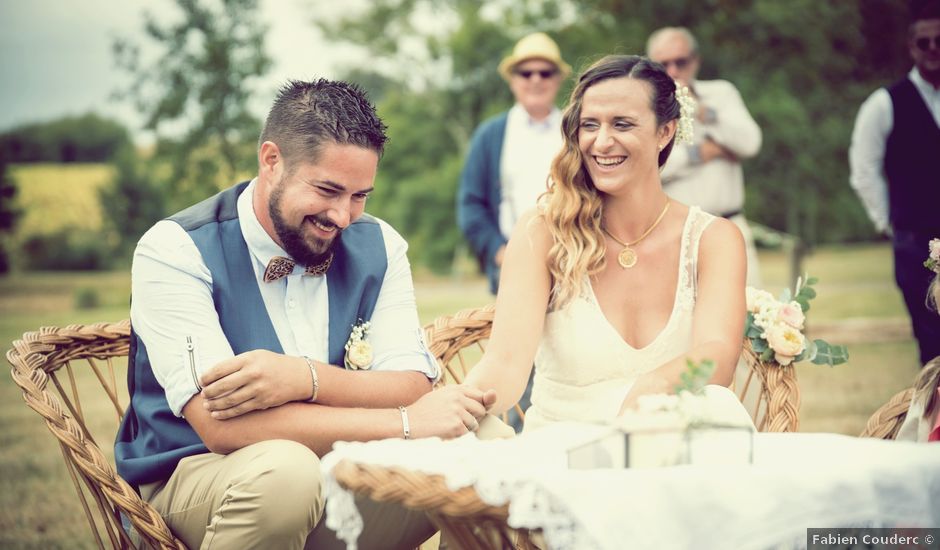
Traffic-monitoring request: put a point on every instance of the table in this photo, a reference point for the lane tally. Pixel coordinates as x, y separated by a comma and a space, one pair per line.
796, 481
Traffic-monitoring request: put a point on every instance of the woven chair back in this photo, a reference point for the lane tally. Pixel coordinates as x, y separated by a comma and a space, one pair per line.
769, 390
887, 420
75, 378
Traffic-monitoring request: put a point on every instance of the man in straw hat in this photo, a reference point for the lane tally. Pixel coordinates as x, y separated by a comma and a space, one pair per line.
510, 155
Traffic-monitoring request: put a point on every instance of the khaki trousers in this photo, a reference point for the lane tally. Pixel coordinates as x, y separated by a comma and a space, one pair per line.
268, 495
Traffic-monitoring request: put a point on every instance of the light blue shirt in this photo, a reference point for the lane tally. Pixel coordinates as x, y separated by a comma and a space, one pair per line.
172, 305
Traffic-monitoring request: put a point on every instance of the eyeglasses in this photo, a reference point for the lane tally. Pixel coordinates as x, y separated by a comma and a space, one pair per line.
923, 44
544, 73
680, 63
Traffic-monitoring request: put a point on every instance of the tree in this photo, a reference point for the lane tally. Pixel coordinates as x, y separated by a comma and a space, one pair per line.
134, 201
86, 138
8, 213
195, 94
431, 100
803, 68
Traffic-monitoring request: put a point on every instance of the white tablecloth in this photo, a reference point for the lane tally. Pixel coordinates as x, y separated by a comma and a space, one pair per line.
797, 481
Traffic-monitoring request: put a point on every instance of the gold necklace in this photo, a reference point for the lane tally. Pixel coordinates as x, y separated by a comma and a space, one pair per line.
627, 257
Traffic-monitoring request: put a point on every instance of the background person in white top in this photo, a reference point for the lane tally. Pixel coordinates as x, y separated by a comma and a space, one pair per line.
707, 173
510, 156
895, 168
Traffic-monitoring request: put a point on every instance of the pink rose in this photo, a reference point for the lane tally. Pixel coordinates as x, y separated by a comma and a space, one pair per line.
791, 314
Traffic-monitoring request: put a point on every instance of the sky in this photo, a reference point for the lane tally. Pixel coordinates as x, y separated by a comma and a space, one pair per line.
56, 60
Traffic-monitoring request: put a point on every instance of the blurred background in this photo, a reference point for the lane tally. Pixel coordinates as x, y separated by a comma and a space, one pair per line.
115, 115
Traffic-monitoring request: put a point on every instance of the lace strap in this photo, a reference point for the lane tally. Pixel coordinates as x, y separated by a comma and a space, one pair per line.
696, 224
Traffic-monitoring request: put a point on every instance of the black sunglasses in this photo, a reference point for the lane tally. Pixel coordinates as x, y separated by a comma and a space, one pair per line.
680, 63
923, 44
544, 73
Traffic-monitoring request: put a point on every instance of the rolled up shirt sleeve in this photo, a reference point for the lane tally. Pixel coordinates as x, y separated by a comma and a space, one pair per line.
172, 311
396, 335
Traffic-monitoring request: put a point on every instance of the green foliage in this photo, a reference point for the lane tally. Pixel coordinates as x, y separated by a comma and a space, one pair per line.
87, 298
133, 200
696, 376
828, 354
66, 249
199, 88
8, 214
803, 68
805, 292
86, 138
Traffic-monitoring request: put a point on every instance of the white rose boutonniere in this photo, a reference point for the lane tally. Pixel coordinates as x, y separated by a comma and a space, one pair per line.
358, 351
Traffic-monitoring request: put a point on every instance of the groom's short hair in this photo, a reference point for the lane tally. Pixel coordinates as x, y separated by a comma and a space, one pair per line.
307, 115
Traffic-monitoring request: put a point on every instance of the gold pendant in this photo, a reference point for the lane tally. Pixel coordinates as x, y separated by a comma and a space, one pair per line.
627, 258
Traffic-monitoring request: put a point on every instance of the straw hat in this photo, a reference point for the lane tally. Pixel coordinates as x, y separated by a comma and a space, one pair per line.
534, 46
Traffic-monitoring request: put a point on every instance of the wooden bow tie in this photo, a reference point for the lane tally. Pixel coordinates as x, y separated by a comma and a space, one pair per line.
280, 266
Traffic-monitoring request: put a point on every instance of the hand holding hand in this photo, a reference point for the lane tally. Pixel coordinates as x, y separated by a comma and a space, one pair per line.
253, 380
450, 411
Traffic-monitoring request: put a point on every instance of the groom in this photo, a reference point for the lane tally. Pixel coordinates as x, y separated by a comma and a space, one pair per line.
243, 307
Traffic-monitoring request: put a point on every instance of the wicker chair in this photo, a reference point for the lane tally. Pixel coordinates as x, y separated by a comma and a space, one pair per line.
887, 420
457, 341
56, 354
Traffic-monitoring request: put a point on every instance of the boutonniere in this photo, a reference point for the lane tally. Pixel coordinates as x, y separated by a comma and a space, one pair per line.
358, 350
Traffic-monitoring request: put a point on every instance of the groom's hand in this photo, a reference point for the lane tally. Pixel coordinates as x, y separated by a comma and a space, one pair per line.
252, 381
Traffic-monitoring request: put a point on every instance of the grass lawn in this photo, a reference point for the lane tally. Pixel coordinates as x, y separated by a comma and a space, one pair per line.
38, 508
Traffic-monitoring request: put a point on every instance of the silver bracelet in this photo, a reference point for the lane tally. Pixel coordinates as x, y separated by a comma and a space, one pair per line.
314, 378
406, 429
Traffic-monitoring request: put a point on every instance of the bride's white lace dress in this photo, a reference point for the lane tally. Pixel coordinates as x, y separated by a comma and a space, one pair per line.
584, 368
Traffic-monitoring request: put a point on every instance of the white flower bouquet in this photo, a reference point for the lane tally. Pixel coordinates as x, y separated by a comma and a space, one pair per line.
775, 327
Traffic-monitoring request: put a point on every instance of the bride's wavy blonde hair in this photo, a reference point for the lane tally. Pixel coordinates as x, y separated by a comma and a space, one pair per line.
572, 207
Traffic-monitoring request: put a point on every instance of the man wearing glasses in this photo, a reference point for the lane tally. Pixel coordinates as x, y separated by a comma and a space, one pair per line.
894, 165
707, 173
510, 156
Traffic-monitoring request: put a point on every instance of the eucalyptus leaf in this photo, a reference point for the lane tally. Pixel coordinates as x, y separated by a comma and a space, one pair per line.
831, 355
696, 376
809, 351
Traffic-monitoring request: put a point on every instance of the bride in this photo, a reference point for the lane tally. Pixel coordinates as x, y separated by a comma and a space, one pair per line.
609, 285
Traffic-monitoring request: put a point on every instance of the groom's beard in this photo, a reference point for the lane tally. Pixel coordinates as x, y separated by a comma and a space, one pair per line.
306, 251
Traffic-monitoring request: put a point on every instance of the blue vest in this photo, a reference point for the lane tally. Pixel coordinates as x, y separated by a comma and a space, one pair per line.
151, 439
911, 165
